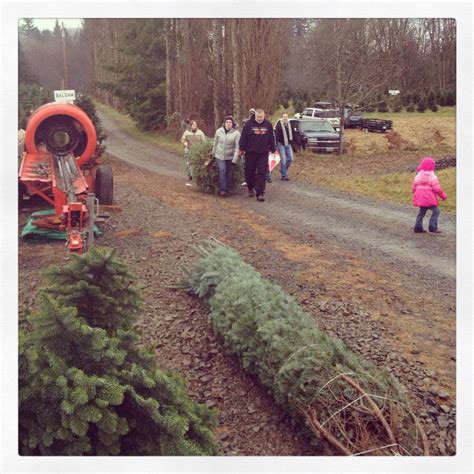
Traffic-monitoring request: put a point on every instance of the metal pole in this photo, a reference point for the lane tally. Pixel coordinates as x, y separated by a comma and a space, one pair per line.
90, 201
63, 36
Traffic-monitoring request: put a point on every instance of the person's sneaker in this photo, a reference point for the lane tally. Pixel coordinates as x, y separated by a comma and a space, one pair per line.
251, 193
435, 231
285, 178
243, 184
260, 198
223, 194
269, 180
419, 231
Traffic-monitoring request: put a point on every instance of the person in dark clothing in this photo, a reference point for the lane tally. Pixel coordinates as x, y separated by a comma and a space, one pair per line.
284, 139
256, 141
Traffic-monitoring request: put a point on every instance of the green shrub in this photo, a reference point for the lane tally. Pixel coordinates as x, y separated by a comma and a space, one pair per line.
85, 384
410, 108
306, 370
421, 106
450, 99
206, 172
434, 108
382, 107
30, 97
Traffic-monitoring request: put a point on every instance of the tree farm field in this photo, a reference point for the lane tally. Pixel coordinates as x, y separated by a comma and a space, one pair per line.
381, 165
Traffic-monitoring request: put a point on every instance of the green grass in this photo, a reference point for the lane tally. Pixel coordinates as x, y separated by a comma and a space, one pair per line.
396, 187
129, 126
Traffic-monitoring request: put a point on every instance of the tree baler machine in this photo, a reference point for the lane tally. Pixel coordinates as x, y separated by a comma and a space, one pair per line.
59, 164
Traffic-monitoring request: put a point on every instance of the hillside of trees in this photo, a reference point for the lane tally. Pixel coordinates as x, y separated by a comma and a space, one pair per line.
161, 70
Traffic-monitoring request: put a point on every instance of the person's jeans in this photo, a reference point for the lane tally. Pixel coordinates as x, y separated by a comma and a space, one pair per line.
286, 156
433, 224
225, 175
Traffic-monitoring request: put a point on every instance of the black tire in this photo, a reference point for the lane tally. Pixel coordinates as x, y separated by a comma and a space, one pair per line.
104, 184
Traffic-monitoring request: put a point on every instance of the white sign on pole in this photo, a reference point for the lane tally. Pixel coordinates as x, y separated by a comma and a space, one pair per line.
65, 96
394, 92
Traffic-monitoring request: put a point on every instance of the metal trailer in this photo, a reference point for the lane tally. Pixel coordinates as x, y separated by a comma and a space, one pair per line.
376, 125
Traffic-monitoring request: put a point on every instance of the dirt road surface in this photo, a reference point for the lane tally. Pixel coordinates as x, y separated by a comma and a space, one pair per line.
355, 265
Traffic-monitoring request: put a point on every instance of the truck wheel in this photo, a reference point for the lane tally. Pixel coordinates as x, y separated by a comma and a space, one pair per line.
104, 184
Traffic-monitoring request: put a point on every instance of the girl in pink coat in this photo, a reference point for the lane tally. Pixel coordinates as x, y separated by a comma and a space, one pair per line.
426, 189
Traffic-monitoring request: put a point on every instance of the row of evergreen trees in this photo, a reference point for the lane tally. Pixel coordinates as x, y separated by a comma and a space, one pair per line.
86, 384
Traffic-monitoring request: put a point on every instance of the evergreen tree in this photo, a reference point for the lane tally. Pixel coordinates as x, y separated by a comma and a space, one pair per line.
87, 105
300, 364
430, 99
450, 99
141, 73
57, 31
25, 74
28, 29
86, 385
421, 106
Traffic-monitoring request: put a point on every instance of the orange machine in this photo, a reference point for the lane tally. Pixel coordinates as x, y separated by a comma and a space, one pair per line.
60, 166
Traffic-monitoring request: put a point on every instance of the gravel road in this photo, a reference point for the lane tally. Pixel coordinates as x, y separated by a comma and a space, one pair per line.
363, 226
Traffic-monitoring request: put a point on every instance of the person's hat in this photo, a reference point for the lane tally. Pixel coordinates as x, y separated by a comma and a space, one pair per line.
229, 117
427, 164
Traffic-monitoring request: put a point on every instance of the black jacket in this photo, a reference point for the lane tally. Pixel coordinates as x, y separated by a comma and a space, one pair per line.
257, 137
279, 133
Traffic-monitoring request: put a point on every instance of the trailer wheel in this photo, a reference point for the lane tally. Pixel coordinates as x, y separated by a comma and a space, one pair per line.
104, 184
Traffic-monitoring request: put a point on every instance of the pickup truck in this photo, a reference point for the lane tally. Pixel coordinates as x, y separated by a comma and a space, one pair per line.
331, 115
376, 125
316, 135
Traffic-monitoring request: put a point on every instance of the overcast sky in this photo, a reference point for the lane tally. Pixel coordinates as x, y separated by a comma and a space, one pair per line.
48, 23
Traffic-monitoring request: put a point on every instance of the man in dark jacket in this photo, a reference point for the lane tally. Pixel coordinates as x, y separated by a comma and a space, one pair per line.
256, 141
284, 139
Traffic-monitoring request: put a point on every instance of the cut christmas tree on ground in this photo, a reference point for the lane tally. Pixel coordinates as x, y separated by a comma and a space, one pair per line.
356, 407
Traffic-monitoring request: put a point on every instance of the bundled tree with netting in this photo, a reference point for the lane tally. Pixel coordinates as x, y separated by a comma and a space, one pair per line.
87, 386
205, 170
350, 405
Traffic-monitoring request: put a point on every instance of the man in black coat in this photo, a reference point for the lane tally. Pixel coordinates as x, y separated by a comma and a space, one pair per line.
256, 141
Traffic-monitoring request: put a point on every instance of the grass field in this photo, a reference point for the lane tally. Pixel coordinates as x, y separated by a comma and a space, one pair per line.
376, 165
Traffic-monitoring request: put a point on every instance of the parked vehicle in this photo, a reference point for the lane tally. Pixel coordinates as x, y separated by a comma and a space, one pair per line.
316, 135
376, 125
331, 115
354, 119
324, 105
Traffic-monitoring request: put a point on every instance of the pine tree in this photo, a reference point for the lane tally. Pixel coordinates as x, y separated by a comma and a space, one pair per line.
85, 103
304, 368
28, 29
421, 106
86, 385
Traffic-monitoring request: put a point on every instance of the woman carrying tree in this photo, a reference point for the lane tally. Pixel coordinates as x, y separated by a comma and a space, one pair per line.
191, 137
226, 151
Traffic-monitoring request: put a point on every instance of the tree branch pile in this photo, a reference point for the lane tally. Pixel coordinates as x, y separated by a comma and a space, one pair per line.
348, 404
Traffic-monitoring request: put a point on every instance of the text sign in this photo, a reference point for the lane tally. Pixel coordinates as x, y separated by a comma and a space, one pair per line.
394, 92
65, 96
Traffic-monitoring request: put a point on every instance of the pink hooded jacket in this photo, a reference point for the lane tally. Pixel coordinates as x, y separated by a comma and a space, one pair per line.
426, 186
